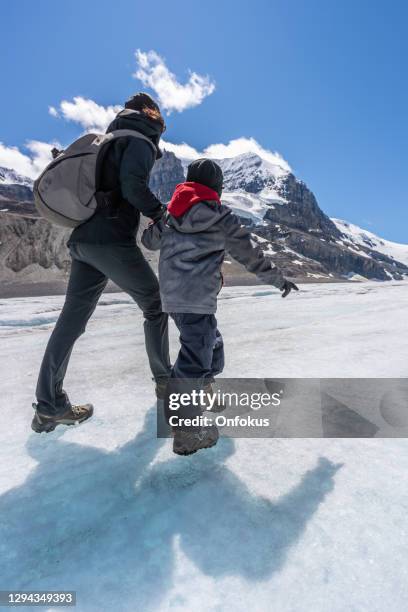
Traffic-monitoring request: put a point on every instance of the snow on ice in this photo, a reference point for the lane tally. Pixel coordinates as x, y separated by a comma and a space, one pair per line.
107, 510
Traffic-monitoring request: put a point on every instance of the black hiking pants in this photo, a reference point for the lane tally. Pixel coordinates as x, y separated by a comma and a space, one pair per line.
92, 266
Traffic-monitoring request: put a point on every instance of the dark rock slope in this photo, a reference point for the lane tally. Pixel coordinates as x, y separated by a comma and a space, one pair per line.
281, 211
296, 232
34, 251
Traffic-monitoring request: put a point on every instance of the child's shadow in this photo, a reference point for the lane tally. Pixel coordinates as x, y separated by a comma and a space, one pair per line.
104, 524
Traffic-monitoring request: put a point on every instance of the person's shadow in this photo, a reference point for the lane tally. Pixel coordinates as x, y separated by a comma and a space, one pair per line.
106, 524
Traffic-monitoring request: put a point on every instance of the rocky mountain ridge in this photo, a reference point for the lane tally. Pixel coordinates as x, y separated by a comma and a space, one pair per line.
288, 224
281, 212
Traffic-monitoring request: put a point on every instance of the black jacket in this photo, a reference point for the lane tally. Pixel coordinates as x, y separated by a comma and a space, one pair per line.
125, 179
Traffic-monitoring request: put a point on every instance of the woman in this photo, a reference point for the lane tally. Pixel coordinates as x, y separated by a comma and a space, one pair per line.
105, 248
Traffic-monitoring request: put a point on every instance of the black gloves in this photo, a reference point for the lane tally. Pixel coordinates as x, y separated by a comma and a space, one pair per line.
287, 287
159, 214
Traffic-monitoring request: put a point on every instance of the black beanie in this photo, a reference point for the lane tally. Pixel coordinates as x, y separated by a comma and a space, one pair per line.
206, 172
140, 100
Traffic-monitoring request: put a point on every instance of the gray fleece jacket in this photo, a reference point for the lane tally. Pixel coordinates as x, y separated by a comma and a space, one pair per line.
192, 249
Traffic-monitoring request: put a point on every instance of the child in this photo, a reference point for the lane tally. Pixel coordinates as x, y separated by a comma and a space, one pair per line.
193, 237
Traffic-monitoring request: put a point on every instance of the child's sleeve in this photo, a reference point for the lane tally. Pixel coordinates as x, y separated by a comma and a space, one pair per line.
151, 237
241, 247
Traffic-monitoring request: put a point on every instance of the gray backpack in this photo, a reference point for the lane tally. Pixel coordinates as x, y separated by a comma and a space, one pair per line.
65, 193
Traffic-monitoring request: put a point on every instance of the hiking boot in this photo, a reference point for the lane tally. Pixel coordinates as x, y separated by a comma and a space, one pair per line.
218, 406
189, 442
72, 416
160, 389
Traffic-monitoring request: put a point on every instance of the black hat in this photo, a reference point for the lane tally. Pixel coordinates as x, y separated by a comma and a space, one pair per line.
140, 101
206, 172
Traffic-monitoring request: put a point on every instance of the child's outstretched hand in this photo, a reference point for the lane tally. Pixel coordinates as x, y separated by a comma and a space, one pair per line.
287, 287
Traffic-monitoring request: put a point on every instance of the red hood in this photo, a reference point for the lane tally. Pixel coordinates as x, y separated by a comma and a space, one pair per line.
187, 194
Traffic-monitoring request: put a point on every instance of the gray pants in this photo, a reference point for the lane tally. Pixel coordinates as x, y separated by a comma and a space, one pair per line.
92, 266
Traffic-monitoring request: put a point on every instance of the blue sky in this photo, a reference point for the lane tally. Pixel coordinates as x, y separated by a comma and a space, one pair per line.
322, 82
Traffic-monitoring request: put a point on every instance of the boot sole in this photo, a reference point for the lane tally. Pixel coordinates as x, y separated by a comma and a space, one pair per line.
218, 409
49, 427
187, 453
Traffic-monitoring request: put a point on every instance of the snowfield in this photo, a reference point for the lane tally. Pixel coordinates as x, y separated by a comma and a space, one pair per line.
289, 525
250, 205
362, 237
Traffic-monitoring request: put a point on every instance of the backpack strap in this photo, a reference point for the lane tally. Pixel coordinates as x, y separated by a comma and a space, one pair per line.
111, 200
133, 134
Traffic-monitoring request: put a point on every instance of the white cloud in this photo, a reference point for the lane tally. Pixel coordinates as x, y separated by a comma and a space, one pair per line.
39, 155
30, 164
172, 95
235, 147
95, 117
238, 146
153, 73
183, 150
91, 116
11, 157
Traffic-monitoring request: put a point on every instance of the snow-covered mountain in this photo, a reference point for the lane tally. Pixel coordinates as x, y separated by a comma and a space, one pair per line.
251, 185
359, 237
281, 211
10, 177
16, 194
33, 253
290, 226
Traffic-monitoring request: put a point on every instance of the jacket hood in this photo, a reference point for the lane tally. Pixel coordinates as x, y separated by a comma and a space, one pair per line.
198, 218
187, 194
129, 119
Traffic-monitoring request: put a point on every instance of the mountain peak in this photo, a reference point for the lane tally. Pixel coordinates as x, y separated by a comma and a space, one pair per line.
8, 176
250, 172
361, 238
283, 214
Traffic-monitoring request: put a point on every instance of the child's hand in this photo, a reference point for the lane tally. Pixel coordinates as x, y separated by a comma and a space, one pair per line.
287, 287
151, 237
